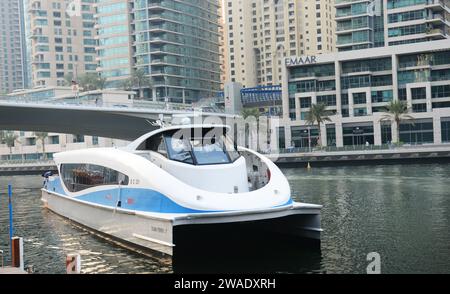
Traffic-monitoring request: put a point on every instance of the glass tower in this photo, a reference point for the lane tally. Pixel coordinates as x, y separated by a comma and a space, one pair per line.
177, 44
360, 24
13, 70
114, 51
376, 23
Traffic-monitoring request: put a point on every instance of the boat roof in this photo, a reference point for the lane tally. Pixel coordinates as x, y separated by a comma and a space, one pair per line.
135, 144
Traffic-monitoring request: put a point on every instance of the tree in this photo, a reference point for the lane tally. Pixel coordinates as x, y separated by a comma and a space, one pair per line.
87, 82
250, 112
397, 111
41, 136
92, 82
68, 79
138, 80
9, 138
316, 116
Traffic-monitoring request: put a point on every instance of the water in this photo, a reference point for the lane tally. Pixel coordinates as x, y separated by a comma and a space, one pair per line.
401, 212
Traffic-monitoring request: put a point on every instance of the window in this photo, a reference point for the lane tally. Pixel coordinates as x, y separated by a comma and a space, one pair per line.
79, 177
77, 139
328, 100
211, 147
421, 107
359, 98
305, 102
440, 91
418, 133
382, 96
418, 93
445, 130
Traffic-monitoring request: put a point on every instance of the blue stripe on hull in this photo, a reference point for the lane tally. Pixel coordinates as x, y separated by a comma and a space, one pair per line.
137, 199
55, 186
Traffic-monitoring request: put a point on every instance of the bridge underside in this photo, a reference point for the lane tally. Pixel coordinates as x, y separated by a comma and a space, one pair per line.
93, 122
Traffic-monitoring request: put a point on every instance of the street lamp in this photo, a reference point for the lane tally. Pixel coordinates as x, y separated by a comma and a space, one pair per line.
309, 138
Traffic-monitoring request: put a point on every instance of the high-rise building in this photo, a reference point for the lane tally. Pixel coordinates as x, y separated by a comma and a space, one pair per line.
177, 44
63, 40
378, 23
13, 70
113, 23
262, 32
223, 49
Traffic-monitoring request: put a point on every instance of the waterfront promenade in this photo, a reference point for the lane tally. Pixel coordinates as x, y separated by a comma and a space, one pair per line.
385, 154
298, 157
9, 167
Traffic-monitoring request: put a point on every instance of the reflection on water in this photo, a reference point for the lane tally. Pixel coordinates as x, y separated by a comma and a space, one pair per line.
48, 238
401, 212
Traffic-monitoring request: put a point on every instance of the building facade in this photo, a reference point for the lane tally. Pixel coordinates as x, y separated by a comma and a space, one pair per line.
356, 87
62, 40
177, 44
114, 50
223, 42
379, 23
262, 32
13, 64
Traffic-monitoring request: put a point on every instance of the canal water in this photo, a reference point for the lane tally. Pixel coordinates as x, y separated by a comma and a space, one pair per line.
401, 212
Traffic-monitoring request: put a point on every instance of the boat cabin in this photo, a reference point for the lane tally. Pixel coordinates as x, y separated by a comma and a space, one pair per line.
204, 157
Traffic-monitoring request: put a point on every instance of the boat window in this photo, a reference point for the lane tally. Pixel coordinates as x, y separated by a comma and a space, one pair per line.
209, 151
155, 143
206, 149
179, 150
231, 148
78, 177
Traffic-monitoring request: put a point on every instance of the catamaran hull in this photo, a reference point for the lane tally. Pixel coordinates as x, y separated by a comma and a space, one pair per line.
159, 232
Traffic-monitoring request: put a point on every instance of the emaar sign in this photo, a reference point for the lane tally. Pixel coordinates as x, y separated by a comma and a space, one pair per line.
302, 60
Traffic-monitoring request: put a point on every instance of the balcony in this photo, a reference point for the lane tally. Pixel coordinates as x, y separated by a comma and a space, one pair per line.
437, 19
436, 5
435, 33
342, 3
157, 61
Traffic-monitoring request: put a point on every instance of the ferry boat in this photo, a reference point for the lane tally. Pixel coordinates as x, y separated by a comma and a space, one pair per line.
186, 176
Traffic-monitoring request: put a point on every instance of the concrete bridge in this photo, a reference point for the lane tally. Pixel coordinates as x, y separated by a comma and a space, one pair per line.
119, 121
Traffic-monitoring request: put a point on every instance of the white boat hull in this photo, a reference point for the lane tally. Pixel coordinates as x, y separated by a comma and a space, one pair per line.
155, 231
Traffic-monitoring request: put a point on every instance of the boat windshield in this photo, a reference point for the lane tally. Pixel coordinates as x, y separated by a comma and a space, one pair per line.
203, 150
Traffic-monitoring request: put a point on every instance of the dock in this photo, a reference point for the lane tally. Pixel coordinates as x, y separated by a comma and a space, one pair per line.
400, 155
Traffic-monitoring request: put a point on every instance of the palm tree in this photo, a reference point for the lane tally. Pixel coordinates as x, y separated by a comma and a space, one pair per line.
9, 138
250, 112
91, 82
138, 80
41, 136
316, 116
398, 112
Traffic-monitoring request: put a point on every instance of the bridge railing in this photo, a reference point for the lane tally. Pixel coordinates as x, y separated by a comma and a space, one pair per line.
355, 148
92, 102
27, 162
